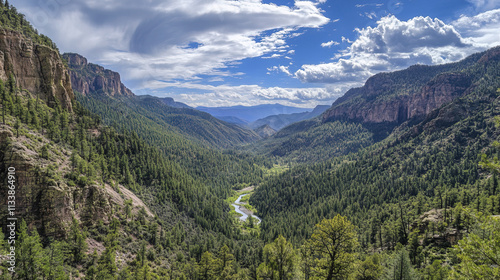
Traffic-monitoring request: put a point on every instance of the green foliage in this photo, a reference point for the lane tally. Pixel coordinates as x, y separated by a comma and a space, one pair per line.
436, 271
478, 252
280, 260
200, 158
312, 141
400, 267
10, 18
333, 244
207, 266
77, 244
53, 267
29, 253
369, 269
34, 262
3, 242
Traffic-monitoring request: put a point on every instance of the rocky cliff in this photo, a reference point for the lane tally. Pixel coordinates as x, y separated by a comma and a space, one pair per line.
393, 98
43, 198
88, 77
37, 68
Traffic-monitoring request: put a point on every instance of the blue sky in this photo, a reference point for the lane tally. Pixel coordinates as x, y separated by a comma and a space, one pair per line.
248, 52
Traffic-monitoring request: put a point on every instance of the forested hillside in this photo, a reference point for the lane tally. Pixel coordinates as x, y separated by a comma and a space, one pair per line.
370, 113
385, 188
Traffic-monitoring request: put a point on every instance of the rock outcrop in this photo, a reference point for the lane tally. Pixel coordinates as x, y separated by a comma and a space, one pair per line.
37, 68
88, 77
393, 98
45, 200
441, 90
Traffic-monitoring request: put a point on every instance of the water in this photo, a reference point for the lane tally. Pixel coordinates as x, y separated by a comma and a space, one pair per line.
244, 216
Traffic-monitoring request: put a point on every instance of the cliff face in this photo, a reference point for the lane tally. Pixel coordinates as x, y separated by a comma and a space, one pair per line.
437, 92
87, 77
43, 198
37, 68
415, 92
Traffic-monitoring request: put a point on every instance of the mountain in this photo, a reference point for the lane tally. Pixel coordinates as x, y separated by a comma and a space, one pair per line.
369, 114
265, 131
251, 113
104, 87
109, 185
234, 120
277, 122
170, 102
88, 78
389, 99
430, 161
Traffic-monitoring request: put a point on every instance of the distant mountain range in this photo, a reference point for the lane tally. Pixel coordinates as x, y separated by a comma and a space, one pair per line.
250, 114
278, 122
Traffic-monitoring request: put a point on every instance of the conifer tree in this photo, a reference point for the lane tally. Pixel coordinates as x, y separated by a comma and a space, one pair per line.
280, 258
77, 244
207, 266
400, 266
333, 243
29, 253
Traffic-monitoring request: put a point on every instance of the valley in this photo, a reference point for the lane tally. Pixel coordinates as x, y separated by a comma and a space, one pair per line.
242, 207
397, 179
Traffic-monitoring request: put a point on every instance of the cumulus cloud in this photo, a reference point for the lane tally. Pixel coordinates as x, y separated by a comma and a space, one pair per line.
392, 44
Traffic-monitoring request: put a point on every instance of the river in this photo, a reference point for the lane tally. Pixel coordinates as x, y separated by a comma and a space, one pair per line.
239, 208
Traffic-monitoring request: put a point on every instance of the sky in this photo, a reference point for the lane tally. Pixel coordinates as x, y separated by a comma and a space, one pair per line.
249, 52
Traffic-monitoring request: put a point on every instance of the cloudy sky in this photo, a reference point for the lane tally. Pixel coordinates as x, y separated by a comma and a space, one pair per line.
229, 52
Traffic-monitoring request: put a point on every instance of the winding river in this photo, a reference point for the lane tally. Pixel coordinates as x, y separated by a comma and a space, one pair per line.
239, 208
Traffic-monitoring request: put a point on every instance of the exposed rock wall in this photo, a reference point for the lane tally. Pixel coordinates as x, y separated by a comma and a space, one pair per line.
38, 69
87, 77
49, 204
369, 105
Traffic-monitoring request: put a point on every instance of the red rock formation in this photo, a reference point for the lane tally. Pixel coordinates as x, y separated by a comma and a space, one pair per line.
98, 79
37, 68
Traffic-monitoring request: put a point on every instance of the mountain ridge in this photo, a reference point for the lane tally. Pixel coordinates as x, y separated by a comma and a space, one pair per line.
251, 113
105, 87
386, 98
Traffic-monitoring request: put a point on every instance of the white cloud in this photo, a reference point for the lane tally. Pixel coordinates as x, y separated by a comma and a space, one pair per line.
279, 69
227, 95
168, 40
485, 5
482, 29
329, 44
392, 44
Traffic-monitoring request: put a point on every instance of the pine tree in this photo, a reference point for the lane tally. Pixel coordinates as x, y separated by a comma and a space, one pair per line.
29, 253
333, 242
17, 125
280, 257
53, 264
3, 243
207, 266
77, 244
226, 260
92, 270
400, 266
